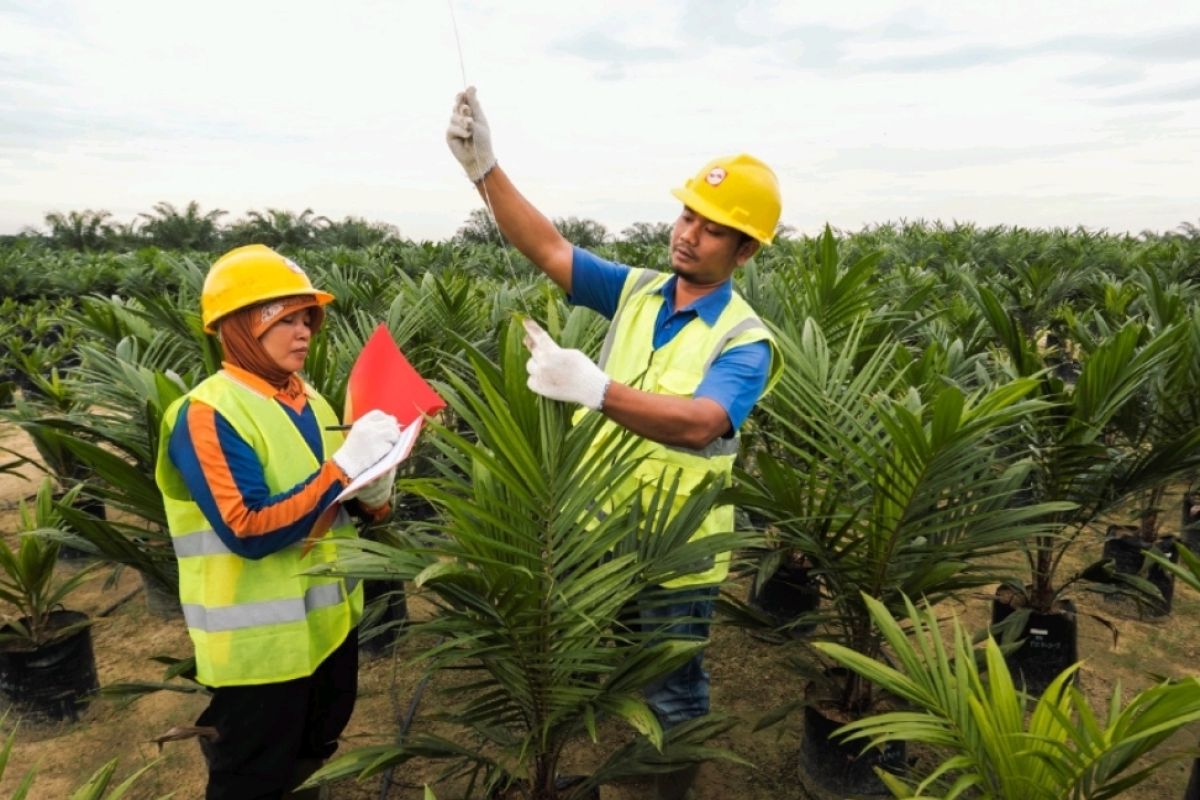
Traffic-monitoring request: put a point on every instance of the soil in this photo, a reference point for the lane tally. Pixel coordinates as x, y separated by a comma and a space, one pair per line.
750, 676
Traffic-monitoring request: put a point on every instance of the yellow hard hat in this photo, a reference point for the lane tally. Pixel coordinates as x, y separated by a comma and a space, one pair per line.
248, 275
739, 191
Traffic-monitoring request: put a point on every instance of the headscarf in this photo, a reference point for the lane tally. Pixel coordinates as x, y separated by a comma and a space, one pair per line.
240, 332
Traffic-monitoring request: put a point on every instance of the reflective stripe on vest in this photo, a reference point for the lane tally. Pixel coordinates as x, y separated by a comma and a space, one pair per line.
255, 621
267, 612
208, 543
677, 368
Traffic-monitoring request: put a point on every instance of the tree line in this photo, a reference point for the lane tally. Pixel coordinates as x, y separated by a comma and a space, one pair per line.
190, 228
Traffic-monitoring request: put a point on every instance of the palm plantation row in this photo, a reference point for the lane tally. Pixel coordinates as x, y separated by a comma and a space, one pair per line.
953, 396
190, 228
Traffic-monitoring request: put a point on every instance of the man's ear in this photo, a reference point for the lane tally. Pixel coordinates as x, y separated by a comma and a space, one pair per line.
746, 250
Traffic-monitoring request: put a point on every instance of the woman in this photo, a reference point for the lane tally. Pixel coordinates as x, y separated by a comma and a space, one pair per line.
247, 463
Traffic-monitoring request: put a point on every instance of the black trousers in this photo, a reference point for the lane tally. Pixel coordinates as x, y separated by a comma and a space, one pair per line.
265, 732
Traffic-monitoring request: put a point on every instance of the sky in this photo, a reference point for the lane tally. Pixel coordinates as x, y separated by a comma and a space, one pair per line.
1015, 113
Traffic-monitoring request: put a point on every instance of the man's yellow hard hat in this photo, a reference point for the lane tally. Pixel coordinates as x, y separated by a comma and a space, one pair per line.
249, 275
739, 191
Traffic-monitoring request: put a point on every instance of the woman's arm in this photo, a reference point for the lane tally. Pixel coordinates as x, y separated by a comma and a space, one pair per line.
225, 477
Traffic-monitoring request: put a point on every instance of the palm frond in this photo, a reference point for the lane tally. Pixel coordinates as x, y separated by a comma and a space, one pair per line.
977, 723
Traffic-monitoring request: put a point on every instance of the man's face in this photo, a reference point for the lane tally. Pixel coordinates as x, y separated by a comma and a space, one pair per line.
705, 252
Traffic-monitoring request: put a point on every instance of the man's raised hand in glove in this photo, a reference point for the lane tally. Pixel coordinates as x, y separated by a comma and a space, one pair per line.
370, 438
469, 137
526, 228
559, 374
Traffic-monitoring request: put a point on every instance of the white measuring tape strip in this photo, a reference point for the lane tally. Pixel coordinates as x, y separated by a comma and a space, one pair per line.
487, 200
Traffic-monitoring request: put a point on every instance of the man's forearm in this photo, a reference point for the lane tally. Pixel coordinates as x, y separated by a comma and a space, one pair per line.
527, 228
678, 421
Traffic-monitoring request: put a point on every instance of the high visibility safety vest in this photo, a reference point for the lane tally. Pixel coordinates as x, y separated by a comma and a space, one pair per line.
256, 621
677, 368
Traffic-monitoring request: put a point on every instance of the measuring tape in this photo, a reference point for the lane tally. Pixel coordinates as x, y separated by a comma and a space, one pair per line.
487, 200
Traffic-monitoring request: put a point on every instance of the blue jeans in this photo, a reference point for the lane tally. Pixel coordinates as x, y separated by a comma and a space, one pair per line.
682, 694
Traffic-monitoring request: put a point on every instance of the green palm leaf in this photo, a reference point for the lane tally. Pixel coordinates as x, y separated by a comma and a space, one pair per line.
978, 725
887, 488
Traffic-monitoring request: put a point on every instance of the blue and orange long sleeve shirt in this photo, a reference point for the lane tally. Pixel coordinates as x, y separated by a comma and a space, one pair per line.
225, 476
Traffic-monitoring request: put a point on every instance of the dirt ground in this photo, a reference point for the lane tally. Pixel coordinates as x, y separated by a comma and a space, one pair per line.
749, 677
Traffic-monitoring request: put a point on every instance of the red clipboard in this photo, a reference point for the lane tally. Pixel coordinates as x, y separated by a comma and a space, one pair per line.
381, 378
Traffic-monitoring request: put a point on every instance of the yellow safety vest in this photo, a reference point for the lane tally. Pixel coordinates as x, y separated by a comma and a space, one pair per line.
255, 621
677, 368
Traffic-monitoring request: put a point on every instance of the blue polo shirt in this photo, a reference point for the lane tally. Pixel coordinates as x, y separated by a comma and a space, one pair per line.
735, 380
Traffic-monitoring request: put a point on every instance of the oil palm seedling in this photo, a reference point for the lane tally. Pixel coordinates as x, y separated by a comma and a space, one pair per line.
1167, 410
28, 580
34, 338
533, 592
119, 444
47, 668
836, 294
815, 283
128, 378
164, 325
49, 394
1036, 291
52, 397
888, 489
1079, 457
986, 739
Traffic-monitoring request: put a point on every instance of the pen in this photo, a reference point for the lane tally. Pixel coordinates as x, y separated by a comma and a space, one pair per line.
338, 427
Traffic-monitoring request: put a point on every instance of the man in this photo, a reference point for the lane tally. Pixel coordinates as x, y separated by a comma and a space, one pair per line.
685, 359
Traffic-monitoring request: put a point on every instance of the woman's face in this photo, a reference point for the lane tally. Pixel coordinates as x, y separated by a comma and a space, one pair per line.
286, 341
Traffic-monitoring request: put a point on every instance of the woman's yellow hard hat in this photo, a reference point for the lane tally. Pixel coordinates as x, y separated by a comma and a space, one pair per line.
248, 275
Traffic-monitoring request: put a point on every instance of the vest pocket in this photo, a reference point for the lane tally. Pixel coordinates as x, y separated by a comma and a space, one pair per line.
682, 383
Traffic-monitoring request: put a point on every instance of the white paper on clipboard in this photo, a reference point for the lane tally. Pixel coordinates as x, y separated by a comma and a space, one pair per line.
399, 452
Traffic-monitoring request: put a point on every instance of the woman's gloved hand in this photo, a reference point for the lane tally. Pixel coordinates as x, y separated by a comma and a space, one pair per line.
369, 440
469, 136
378, 492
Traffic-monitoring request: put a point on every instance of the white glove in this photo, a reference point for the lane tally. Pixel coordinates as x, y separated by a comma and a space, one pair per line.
559, 374
469, 137
379, 491
372, 435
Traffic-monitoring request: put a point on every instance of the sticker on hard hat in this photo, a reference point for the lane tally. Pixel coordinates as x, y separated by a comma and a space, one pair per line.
269, 312
293, 266
715, 176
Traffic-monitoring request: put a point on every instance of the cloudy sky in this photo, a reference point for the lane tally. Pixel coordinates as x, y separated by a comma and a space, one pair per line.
1037, 114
